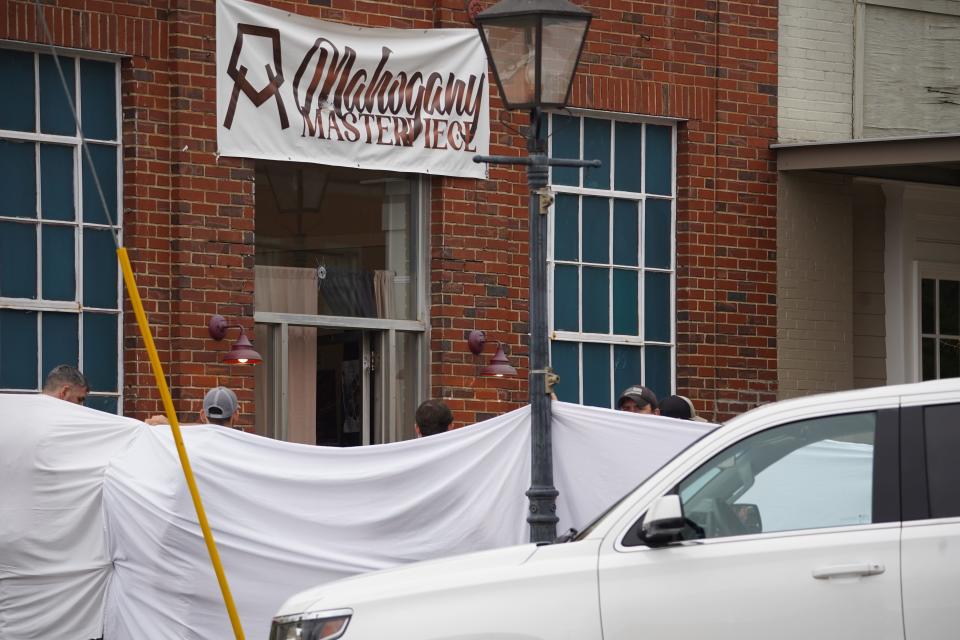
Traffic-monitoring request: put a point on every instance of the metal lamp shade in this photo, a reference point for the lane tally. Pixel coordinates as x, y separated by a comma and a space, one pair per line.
534, 47
242, 352
499, 366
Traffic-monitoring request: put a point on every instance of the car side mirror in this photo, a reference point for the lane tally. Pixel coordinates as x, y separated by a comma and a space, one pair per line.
749, 516
664, 521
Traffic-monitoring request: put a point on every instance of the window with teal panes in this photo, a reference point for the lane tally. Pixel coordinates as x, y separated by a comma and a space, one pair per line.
567, 238
58, 268
17, 105
99, 269
18, 349
98, 90
565, 143
596, 146
61, 339
596, 230
565, 359
18, 179
105, 160
59, 285
100, 351
57, 195
18, 260
55, 114
612, 255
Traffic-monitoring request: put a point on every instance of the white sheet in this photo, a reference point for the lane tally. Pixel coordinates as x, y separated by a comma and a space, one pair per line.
285, 516
54, 562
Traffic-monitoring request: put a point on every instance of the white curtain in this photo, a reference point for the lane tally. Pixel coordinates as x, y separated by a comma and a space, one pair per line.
288, 290
383, 291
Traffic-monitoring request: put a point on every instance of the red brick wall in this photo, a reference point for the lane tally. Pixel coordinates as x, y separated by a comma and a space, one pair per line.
188, 215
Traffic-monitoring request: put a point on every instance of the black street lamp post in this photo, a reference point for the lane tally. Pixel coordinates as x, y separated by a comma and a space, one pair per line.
534, 47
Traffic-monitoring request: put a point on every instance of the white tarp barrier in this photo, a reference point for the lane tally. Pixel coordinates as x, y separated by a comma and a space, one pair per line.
54, 562
285, 516
295, 88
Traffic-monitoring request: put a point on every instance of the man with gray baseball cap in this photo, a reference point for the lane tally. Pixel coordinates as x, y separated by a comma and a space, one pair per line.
638, 399
220, 406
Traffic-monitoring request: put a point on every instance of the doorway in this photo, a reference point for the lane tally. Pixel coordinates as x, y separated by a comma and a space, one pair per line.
340, 306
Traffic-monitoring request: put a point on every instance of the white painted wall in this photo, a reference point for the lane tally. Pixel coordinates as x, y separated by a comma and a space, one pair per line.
911, 72
814, 284
816, 70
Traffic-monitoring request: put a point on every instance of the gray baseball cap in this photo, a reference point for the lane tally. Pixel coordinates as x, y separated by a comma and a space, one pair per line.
639, 394
220, 403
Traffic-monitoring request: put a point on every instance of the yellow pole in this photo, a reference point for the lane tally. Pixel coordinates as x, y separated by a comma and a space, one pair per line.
178, 438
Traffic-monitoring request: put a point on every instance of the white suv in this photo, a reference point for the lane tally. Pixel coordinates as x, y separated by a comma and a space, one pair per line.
832, 516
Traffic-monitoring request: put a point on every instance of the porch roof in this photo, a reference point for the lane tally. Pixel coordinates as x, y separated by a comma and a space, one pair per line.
931, 159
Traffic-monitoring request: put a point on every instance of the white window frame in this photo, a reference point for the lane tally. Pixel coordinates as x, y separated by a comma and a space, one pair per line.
930, 271
612, 194
78, 224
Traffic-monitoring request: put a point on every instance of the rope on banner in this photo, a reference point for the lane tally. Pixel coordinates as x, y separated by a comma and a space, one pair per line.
144, 326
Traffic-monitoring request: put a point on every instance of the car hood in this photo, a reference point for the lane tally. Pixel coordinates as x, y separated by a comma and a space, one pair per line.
408, 579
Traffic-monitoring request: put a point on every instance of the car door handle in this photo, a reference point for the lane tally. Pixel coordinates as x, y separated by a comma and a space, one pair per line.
849, 570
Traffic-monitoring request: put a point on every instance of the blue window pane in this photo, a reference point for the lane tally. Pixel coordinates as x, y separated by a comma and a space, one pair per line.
100, 351
596, 146
596, 375
565, 362
658, 370
659, 159
99, 269
656, 307
657, 228
627, 369
105, 161
566, 245
61, 340
58, 271
625, 312
16, 108
18, 349
18, 179
55, 114
627, 164
626, 232
56, 182
566, 288
18, 260
596, 300
98, 96
566, 144
103, 403
596, 230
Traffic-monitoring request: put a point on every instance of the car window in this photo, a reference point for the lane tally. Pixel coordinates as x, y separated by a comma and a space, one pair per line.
942, 436
803, 475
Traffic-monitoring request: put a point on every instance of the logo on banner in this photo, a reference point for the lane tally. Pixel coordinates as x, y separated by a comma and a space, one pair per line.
337, 99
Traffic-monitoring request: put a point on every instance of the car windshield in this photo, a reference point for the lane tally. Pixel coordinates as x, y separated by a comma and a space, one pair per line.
586, 530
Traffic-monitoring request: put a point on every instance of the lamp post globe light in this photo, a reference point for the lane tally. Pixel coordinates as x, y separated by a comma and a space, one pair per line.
534, 47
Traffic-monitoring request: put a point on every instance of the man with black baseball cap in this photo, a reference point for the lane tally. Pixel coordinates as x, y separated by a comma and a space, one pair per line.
679, 407
638, 399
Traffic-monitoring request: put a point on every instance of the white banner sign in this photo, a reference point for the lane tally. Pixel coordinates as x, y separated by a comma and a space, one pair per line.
296, 88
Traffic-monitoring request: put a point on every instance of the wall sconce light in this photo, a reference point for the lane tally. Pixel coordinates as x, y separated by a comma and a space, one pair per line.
242, 351
499, 366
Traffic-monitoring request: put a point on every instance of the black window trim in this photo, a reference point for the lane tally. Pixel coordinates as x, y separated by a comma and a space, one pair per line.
913, 463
